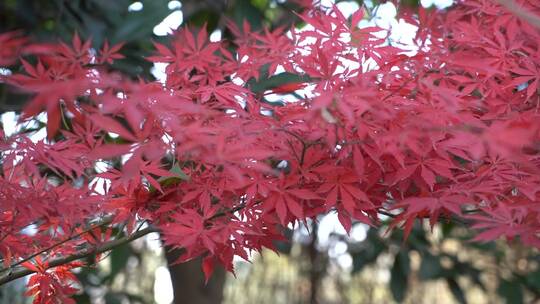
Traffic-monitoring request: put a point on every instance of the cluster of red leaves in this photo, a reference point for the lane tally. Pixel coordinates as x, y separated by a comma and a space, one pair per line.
51, 286
451, 131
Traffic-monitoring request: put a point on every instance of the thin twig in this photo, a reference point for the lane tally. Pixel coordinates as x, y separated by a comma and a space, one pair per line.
17, 272
105, 222
20, 272
454, 219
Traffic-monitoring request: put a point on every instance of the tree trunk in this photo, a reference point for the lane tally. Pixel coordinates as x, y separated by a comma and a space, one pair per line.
315, 273
188, 281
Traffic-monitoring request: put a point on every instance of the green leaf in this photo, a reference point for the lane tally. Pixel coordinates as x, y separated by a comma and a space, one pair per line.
285, 246
244, 10
447, 228
260, 4
411, 3
456, 290
369, 251
511, 291
202, 17
179, 176
83, 298
90, 276
367, 256
179, 173
431, 267
533, 279
399, 279
466, 268
119, 257
276, 81
139, 25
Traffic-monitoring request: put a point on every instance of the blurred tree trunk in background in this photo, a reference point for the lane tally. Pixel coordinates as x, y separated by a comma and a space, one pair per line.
187, 278
316, 270
188, 281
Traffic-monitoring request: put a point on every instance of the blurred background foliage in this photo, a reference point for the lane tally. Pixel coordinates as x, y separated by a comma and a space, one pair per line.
319, 264
367, 267
438, 266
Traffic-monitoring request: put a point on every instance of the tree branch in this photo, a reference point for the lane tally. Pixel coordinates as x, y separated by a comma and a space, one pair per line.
521, 12
105, 222
440, 219
20, 272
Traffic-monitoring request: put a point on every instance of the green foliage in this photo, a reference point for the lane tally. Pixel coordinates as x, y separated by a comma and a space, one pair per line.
285, 246
106, 280
400, 274
533, 279
260, 4
431, 267
437, 264
268, 83
204, 17
179, 176
91, 19
374, 246
245, 10
511, 291
119, 257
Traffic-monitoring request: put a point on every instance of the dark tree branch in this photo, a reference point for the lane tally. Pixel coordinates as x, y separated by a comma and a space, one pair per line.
20, 272
16, 272
103, 223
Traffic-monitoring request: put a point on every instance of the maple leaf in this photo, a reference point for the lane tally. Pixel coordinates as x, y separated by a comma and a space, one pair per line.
287, 199
529, 74
342, 188
499, 221
108, 54
220, 170
78, 53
